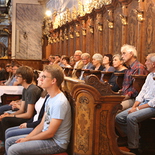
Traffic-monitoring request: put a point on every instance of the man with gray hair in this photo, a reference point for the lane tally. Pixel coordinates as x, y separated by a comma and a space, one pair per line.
129, 56
87, 64
144, 107
79, 63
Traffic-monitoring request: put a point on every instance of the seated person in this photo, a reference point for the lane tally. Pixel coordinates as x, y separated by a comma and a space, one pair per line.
65, 61
129, 57
26, 128
7, 73
12, 81
30, 95
78, 62
54, 129
72, 61
51, 59
97, 60
107, 63
127, 122
87, 64
119, 68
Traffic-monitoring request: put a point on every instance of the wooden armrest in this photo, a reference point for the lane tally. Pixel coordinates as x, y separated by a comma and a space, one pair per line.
106, 76
138, 81
120, 78
96, 72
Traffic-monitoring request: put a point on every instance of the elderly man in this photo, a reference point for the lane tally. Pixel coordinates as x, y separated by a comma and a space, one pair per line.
143, 108
79, 63
129, 56
87, 64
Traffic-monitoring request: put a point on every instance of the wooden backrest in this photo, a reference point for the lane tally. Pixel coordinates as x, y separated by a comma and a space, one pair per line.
138, 81
7, 98
94, 113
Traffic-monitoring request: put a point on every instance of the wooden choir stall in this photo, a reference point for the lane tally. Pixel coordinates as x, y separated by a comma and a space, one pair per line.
94, 108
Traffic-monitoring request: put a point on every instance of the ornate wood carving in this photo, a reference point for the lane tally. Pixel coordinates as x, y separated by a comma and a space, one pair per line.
149, 28
104, 88
94, 119
132, 28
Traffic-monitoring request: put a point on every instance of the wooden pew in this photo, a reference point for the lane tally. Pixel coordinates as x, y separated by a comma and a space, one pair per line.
120, 78
106, 76
7, 98
138, 81
93, 117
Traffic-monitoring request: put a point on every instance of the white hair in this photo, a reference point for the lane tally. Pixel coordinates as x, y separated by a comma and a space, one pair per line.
79, 52
129, 48
152, 57
85, 55
98, 56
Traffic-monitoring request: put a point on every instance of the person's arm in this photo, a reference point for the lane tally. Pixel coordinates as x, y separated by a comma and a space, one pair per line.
136, 104
26, 115
21, 110
53, 127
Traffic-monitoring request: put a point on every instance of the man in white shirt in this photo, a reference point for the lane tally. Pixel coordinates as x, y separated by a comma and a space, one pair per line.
143, 108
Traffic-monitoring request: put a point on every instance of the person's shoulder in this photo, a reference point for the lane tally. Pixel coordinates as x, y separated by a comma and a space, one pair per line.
34, 87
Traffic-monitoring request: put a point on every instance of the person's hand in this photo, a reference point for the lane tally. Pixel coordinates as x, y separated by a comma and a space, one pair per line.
4, 115
12, 102
15, 106
133, 109
21, 140
23, 125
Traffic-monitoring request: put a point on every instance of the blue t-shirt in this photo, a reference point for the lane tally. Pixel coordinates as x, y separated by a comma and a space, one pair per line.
58, 107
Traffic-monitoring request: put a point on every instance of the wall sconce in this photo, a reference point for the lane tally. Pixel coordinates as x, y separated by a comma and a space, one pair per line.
71, 34
140, 15
91, 29
84, 31
100, 27
110, 24
77, 33
123, 19
66, 37
61, 38
54, 40
58, 39
50, 40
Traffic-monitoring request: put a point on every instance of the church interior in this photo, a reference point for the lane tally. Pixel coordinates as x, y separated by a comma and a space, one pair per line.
32, 31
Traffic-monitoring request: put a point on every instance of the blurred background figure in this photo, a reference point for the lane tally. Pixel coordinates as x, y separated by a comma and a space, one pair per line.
65, 61
119, 68
97, 62
72, 61
107, 63
51, 59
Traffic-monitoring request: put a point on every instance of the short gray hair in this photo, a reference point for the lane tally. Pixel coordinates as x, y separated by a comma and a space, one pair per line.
79, 52
98, 56
152, 57
85, 55
117, 55
129, 48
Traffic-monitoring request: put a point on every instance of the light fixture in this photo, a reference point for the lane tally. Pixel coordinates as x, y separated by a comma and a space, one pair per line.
48, 13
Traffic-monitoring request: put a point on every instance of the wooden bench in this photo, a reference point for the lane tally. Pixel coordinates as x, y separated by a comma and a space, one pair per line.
138, 81
94, 111
7, 98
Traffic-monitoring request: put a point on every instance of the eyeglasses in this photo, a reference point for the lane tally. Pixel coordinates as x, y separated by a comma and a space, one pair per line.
44, 77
